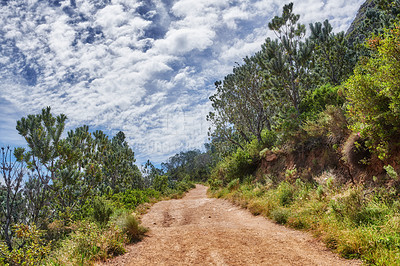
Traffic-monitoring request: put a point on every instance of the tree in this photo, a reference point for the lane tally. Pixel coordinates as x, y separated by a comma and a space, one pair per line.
192, 164
286, 61
79, 170
11, 200
332, 54
239, 106
181, 165
151, 173
42, 133
119, 165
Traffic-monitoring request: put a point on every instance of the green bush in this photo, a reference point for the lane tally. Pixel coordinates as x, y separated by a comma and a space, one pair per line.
131, 198
355, 208
132, 229
317, 100
184, 186
280, 215
330, 125
391, 172
89, 243
101, 211
269, 138
238, 165
373, 93
33, 249
234, 184
160, 183
285, 193
214, 183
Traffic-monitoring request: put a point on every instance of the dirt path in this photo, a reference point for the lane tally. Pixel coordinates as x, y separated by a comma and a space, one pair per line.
197, 230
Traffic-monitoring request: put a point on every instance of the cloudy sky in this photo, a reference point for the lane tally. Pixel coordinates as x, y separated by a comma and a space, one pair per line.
144, 67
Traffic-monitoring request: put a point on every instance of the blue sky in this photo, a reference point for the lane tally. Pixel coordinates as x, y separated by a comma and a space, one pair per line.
144, 67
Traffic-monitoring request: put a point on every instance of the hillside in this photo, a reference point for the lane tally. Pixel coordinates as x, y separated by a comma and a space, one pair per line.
315, 144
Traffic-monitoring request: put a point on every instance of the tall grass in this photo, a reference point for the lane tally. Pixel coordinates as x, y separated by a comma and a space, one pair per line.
109, 226
354, 221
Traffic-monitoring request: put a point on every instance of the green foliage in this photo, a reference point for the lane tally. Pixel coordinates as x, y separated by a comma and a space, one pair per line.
374, 95
89, 243
234, 184
374, 17
238, 165
192, 163
239, 101
291, 173
101, 211
355, 208
160, 183
280, 215
333, 56
317, 100
269, 139
286, 61
42, 133
320, 192
214, 183
330, 125
391, 172
285, 194
184, 185
132, 229
32, 249
130, 199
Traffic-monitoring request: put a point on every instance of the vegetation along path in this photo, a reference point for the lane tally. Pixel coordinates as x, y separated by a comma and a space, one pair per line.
197, 230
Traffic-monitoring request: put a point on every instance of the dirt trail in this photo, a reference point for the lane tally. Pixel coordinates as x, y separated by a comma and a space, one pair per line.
197, 230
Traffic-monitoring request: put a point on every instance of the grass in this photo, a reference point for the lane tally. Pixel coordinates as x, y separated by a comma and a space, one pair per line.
130, 226
114, 223
355, 222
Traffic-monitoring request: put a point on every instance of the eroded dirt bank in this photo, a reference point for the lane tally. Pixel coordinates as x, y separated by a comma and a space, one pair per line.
197, 230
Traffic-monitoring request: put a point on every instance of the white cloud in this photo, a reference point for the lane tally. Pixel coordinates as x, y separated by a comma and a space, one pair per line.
185, 40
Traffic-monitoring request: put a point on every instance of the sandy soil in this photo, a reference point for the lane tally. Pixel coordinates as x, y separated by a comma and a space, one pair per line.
197, 230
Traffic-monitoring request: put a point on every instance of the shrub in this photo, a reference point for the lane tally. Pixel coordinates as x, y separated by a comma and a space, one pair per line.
184, 186
354, 207
89, 243
85, 245
160, 183
331, 125
112, 242
391, 172
132, 229
269, 138
131, 198
32, 249
234, 184
214, 183
320, 192
101, 211
373, 93
238, 165
280, 215
285, 193
317, 100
